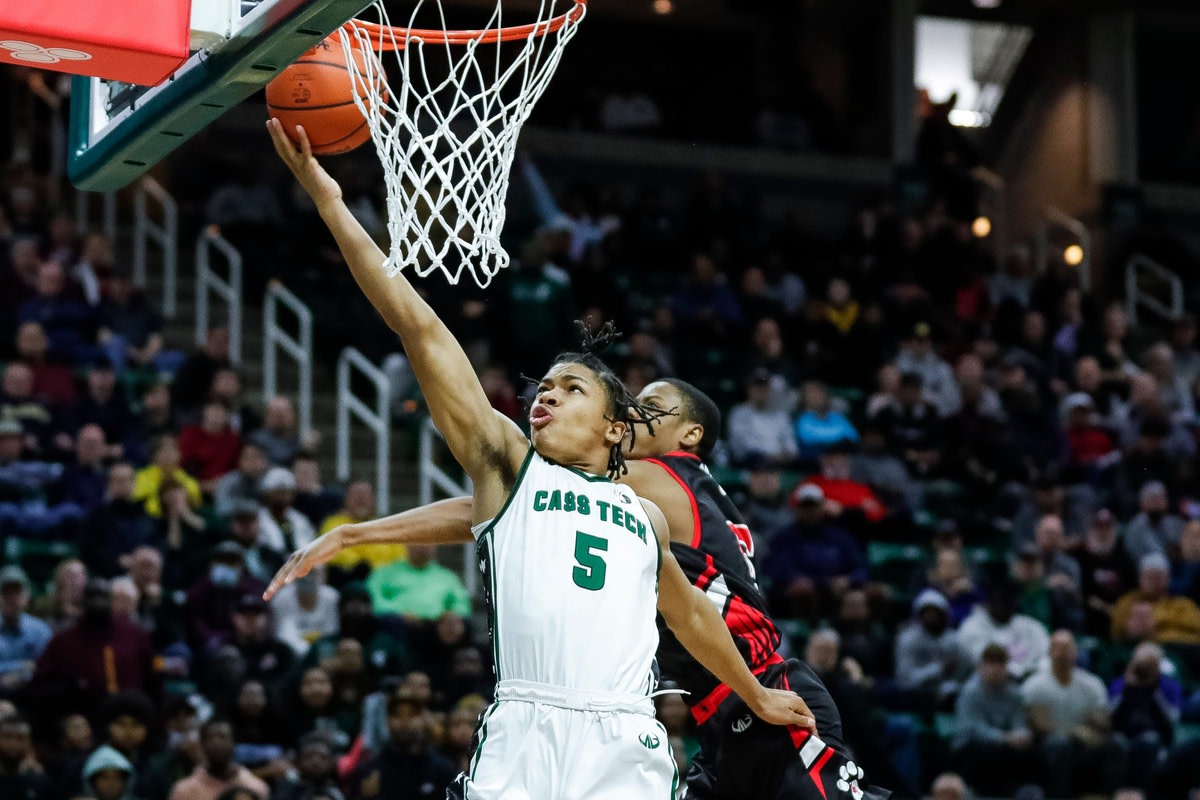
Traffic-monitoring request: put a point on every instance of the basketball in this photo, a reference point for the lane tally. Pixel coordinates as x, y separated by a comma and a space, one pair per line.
318, 92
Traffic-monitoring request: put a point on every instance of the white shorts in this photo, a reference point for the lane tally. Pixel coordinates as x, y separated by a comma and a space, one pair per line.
538, 742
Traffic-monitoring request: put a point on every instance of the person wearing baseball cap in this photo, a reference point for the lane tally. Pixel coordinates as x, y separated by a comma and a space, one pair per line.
759, 432
929, 661
281, 527
23, 637
937, 378
267, 658
813, 562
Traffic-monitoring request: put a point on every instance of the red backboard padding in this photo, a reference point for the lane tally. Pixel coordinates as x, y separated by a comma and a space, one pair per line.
136, 41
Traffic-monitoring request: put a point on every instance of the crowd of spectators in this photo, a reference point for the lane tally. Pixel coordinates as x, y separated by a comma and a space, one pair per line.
972, 487
145, 501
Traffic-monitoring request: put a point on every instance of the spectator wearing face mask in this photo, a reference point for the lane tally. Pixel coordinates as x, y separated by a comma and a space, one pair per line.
211, 601
182, 753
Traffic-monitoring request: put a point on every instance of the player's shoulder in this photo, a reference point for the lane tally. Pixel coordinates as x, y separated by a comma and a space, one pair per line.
658, 520
654, 479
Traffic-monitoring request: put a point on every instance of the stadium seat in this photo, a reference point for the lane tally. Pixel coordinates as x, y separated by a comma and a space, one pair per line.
894, 564
1187, 732
38, 557
943, 725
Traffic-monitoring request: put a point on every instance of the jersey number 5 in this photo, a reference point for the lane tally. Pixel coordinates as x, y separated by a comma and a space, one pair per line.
591, 570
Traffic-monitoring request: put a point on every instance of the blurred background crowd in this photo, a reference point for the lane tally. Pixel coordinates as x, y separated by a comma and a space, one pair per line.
972, 480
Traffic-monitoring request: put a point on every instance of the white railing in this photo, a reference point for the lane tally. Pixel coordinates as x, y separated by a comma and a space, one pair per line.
83, 213
433, 478
1136, 296
299, 347
378, 420
166, 236
229, 290
1056, 218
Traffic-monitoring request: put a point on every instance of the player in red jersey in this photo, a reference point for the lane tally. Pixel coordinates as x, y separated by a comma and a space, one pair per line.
740, 758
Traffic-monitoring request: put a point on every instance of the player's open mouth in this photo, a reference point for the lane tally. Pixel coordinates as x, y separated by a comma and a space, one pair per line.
540, 417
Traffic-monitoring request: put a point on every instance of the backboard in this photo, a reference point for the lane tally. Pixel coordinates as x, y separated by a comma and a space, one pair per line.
119, 130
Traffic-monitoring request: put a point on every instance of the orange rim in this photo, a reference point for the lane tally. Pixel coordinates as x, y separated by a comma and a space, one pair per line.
391, 37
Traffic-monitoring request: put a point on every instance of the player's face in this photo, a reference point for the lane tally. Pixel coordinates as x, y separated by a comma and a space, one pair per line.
672, 432
569, 421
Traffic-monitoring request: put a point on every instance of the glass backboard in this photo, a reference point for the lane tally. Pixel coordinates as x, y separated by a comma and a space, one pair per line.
120, 130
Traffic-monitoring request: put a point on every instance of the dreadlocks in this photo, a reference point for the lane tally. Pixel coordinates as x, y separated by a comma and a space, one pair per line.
623, 405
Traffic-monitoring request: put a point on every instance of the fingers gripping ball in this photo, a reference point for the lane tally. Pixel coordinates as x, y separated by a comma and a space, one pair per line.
318, 92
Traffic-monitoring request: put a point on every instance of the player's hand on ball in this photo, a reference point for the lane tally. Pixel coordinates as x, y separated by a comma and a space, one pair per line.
785, 708
300, 160
317, 552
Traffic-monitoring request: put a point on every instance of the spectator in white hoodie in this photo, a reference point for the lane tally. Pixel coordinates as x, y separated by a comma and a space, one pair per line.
997, 622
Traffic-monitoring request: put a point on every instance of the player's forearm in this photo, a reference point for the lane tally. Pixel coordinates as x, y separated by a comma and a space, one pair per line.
704, 634
457, 402
394, 298
444, 522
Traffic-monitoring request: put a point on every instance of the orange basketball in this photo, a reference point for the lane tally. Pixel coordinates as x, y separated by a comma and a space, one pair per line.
318, 92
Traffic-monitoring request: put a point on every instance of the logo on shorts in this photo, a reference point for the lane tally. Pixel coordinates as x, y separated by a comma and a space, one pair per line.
740, 726
848, 776
649, 741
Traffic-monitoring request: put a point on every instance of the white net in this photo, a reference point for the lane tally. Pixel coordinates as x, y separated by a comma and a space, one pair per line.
445, 124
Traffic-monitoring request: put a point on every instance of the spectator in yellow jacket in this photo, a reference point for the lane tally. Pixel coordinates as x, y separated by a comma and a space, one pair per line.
166, 464
357, 562
1176, 619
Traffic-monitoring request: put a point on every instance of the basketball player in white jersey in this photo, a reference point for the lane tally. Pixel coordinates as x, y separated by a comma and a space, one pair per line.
575, 565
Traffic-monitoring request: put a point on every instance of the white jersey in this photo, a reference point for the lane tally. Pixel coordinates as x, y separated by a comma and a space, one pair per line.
570, 566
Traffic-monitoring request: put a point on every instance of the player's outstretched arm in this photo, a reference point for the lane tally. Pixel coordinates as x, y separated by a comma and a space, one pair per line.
697, 624
443, 522
484, 442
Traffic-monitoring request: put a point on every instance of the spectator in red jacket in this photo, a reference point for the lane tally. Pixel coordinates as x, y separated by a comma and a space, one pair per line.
210, 450
52, 380
1091, 447
847, 501
96, 657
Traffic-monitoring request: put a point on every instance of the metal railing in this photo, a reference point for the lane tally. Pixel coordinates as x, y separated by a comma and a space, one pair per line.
433, 478
166, 236
108, 213
1136, 294
378, 420
1057, 218
228, 289
299, 347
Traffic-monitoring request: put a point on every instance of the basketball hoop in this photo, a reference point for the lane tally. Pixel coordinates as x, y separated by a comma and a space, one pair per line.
446, 129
